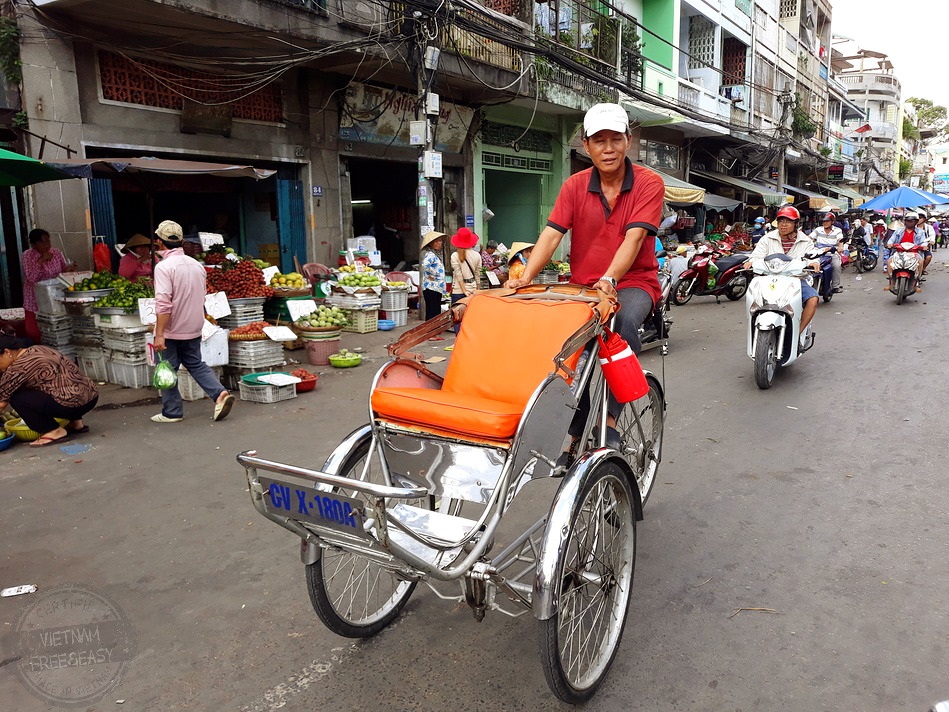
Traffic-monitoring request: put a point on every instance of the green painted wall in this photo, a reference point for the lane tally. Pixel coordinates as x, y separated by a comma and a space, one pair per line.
659, 18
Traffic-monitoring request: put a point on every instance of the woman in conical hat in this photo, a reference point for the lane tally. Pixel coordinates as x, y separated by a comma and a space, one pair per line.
432, 272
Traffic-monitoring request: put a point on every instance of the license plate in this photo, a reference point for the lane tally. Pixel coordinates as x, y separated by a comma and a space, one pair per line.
303, 503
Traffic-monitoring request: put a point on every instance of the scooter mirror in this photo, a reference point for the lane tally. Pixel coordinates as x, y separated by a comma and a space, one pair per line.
662, 253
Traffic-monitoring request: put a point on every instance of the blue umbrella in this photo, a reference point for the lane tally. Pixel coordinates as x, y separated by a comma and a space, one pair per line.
904, 197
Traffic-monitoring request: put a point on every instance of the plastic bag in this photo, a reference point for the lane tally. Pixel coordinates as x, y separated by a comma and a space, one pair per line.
102, 257
165, 376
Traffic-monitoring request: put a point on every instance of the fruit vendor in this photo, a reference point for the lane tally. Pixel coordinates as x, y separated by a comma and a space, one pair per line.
180, 286
137, 259
42, 261
42, 385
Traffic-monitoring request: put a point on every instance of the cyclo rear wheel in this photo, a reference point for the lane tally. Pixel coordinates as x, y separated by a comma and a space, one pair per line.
354, 596
644, 451
594, 579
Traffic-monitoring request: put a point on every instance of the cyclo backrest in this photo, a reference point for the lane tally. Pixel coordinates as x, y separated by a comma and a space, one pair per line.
505, 350
506, 347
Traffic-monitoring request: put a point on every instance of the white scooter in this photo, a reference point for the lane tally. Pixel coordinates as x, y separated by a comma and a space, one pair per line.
774, 315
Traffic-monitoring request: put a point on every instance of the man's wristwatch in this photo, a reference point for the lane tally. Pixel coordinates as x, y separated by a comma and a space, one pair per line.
610, 280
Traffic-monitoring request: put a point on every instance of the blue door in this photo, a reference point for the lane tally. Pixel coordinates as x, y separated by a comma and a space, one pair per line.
290, 223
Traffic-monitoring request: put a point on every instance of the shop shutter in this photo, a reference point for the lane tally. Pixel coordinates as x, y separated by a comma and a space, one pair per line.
290, 223
102, 208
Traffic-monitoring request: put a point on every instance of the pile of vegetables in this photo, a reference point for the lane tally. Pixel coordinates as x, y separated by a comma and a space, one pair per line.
239, 280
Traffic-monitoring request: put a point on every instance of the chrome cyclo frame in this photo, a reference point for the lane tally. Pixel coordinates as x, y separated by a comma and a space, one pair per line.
438, 543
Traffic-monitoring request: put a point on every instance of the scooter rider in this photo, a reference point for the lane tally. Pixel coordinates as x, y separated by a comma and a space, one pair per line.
794, 243
909, 230
827, 235
758, 231
930, 238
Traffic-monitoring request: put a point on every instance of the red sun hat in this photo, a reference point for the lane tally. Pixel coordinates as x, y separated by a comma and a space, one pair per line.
464, 238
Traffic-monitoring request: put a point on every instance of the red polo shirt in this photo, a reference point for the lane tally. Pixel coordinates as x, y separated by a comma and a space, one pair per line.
598, 231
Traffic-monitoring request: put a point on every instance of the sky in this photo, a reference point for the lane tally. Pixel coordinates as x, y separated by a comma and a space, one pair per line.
911, 32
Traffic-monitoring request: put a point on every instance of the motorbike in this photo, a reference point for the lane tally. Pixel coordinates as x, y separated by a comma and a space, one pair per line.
655, 329
943, 236
821, 281
862, 254
711, 274
905, 269
774, 306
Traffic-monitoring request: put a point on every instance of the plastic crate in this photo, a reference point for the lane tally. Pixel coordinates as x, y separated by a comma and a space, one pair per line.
361, 321
130, 376
399, 316
241, 316
129, 358
392, 301
255, 354
118, 321
189, 388
92, 362
267, 393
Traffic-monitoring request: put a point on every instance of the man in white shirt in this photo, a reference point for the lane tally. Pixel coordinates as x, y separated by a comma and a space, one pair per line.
827, 235
925, 226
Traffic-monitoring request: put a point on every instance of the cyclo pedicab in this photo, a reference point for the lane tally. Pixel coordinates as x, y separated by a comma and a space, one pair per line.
418, 493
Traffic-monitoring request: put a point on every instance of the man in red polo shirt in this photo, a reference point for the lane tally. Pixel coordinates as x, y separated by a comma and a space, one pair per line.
611, 209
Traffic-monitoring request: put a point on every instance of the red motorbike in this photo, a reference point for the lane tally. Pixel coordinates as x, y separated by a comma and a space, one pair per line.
710, 273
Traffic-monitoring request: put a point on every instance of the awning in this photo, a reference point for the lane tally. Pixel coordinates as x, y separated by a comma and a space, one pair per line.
103, 167
679, 192
844, 192
816, 201
719, 202
769, 196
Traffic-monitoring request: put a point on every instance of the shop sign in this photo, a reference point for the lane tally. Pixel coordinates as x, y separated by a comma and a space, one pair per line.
835, 173
199, 118
469, 221
376, 115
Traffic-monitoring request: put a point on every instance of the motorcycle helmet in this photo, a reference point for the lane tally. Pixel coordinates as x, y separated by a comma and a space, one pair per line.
789, 212
910, 216
829, 216
759, 221
923, 215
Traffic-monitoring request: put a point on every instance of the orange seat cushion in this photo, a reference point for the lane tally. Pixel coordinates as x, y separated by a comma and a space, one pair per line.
505, 350
454, 412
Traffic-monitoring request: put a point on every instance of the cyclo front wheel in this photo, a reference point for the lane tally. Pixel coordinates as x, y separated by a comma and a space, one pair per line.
643, 449
354, 596
594, 578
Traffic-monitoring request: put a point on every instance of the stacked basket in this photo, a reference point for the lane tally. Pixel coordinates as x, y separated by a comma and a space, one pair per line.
395, 306
124, 350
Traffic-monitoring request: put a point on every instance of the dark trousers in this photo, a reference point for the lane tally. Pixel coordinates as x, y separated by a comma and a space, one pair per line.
187, 353
39, 410
635, 306
433, 303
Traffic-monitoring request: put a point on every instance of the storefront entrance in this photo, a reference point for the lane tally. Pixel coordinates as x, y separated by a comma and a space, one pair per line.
384, 206
515, 200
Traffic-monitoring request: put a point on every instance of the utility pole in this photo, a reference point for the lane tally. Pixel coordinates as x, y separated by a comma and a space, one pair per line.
787, 100
423, 128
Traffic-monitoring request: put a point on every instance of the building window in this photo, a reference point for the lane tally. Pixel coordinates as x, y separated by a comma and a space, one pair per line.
659, 155
789, 8
144, 82
744, 6
734, 58
701, 42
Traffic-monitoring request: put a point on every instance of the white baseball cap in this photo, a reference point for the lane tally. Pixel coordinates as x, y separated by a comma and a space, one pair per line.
605, 117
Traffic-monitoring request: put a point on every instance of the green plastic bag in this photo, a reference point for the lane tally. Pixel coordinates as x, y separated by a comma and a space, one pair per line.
165, 376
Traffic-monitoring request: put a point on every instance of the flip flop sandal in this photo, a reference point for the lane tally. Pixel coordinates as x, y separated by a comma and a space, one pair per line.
46, 442
78, 431
223, 408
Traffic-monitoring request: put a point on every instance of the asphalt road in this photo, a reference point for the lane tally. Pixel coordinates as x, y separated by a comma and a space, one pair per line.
793, 556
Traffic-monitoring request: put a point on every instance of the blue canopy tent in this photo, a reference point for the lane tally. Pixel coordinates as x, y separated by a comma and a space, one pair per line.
904, 197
